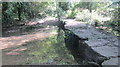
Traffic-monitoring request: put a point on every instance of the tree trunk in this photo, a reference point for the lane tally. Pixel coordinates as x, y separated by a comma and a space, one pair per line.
89, 7
19, 13
58, 13
4, 8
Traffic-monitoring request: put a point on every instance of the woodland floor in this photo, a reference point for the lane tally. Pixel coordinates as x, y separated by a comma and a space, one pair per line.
20, 44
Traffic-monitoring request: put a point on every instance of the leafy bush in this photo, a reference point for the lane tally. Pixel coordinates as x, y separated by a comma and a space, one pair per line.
83, 16
71, 13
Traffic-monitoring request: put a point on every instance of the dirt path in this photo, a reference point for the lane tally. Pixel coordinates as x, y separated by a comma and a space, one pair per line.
13, 46
33, 34
104, 43
20, 40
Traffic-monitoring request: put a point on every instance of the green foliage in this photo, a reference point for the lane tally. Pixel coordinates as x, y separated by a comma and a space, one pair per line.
13, 11
50, 50
71, 13
114, 23
90, 5
84, 15
82, 11
64, 6
72, 10
116, 17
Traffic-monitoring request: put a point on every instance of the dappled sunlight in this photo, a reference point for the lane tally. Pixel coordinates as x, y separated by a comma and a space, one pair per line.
104, 28
12, 53
40, 34
59, 33
47, 20
51, 51
92, 17
96, 16
32, 23
7, 42
16, 51
20, 49
72, 24
30, 27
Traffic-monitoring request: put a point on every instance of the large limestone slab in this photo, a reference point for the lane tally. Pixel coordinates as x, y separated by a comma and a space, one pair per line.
104, 43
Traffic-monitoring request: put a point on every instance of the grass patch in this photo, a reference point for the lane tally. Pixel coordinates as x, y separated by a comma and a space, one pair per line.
52, 50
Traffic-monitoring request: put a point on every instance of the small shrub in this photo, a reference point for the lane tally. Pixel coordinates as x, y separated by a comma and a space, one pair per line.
71, 13
83, 16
